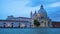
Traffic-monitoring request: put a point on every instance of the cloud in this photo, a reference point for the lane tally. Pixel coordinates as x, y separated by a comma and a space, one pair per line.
55, 4
23, 8
14, 7
54, 13
34, 3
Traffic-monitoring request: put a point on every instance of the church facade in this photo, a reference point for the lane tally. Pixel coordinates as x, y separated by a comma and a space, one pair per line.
40, 15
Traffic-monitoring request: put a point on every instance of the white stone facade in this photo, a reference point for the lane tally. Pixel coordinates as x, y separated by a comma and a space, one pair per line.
40, 15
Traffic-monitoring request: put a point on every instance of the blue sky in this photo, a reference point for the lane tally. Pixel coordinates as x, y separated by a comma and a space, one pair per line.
24, 7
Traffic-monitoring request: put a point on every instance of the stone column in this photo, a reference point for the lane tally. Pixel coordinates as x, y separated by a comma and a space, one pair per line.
46, 24
50, 23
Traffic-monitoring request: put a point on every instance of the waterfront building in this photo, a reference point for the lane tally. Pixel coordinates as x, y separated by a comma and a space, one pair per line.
40, 15
56, 24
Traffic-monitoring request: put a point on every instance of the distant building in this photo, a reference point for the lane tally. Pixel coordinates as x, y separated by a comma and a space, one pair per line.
17, 22
40, 15
55, 24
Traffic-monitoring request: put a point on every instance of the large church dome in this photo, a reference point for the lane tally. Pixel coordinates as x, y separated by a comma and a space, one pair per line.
42, 12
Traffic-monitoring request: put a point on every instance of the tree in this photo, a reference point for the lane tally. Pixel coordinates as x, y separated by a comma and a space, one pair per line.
36, 23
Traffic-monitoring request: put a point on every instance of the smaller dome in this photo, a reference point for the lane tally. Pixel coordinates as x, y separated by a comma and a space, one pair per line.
42, 11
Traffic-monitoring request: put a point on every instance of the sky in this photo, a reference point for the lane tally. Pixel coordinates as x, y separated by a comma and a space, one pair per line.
22, 8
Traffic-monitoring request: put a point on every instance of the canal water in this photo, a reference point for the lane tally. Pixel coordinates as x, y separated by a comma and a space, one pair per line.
29, 30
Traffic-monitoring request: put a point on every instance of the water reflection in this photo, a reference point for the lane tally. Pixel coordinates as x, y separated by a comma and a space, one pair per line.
30, 30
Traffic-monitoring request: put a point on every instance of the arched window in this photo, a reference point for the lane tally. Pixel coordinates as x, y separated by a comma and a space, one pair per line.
4, 25
12, 25
19, 25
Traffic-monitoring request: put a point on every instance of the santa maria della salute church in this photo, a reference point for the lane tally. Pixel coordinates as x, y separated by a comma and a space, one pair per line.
42, 17
38, 18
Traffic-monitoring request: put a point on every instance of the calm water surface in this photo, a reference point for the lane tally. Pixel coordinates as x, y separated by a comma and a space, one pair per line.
30, 31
